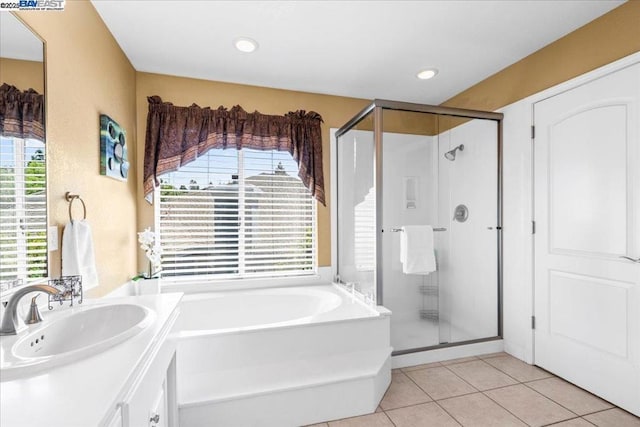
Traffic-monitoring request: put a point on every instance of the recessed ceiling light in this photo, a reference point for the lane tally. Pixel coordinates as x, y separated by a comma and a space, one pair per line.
245, 44
427, 74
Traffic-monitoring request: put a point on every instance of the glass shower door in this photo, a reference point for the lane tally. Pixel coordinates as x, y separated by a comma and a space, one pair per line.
468, 206
410, 195
422, 187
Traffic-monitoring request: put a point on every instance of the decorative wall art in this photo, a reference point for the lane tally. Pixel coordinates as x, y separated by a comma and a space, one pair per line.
114, 161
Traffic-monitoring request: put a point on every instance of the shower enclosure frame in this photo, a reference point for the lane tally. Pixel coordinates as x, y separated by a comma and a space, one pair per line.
377, 107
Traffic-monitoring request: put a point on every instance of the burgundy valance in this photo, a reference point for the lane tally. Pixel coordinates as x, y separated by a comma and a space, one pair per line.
21, 113
178, 135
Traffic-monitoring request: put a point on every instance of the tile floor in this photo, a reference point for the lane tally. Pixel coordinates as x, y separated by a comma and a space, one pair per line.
492, 390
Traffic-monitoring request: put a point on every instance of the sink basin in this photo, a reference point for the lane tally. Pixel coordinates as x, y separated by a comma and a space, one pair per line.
83, 333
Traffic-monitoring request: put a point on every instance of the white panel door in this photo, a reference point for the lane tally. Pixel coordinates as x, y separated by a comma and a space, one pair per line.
587, 213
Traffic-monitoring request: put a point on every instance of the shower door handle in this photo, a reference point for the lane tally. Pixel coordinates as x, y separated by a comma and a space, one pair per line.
636, 260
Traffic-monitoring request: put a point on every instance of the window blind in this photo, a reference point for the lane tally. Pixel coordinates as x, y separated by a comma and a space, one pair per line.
23, 210
236, 213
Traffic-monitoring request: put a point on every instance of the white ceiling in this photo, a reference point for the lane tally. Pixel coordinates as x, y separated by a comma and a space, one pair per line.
363, 49
17, 41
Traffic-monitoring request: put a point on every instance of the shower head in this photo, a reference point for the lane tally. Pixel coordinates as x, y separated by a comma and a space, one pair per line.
451, 155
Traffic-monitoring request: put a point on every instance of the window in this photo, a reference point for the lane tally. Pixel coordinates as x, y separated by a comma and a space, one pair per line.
23, 210
236, 213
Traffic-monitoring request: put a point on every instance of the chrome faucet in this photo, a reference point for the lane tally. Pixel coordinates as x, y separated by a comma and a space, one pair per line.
10, 318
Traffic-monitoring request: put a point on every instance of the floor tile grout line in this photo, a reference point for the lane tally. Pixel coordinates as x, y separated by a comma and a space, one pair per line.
459, 395
515, 379
449, 397
441, 364
423, 369
553, 400
476, 390
548, 378
579, 418
500, 354
603, 410
612, 406
424, 403
500, 370
587, 421
560, 404
563, 421
543, 396
389, 418
419, 388
498, 388
404, 371
447, 412
408, 406
517, 417
440, 400
608, 409
418, 385
463, 361
510, 385
471, 385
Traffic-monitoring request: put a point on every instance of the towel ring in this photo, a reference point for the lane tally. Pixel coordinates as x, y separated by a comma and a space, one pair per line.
70, 198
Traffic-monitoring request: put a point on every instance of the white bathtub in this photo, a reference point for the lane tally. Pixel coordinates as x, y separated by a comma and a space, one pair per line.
279, 357
221, 312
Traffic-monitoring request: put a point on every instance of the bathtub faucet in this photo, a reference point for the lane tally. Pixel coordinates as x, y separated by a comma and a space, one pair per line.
353, 287
369, 297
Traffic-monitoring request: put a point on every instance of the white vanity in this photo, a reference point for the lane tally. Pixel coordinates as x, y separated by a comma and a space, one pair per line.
118, 373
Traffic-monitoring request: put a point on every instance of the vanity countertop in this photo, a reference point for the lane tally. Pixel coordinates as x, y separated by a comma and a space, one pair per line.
85, 392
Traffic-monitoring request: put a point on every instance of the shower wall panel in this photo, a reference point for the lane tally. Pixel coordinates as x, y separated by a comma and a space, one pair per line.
357, 206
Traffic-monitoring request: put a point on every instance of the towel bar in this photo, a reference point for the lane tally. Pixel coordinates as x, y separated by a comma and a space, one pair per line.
398, 230
70, 198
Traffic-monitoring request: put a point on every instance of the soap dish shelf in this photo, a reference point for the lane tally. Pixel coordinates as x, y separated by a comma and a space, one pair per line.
70, 289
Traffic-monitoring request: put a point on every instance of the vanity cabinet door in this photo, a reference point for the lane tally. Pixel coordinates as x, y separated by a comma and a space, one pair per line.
146, 403
158, 416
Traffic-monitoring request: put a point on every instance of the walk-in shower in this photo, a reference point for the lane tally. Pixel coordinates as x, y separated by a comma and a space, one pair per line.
405, 167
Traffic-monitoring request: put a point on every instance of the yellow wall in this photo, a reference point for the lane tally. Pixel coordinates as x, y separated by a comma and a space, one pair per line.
612, 36
87, 74
335, 111
22, 74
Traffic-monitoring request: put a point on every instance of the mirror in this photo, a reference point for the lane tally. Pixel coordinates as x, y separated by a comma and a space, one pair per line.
23, 191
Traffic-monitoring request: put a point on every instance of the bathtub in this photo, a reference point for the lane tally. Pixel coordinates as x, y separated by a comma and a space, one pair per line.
280, 356
223, 312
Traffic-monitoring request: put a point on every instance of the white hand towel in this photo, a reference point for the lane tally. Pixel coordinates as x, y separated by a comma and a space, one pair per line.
78, 258
416, 249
